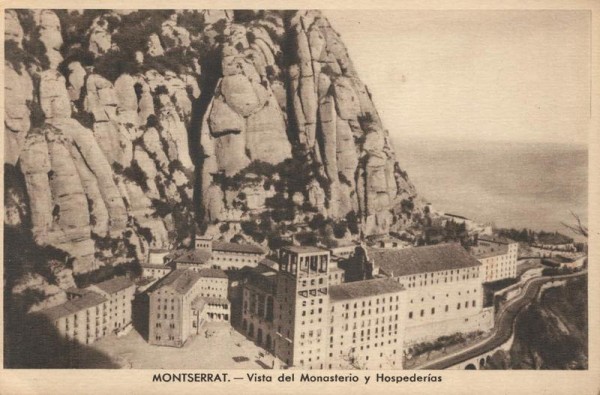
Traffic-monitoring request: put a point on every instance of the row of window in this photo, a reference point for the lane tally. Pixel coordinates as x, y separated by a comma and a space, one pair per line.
365, 304
87, 315
446, 309
447, 295
171, 325
368, 312
365, 323
158, 337
313, 282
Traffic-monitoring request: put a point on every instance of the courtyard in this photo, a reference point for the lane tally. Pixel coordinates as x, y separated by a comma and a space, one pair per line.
218, 346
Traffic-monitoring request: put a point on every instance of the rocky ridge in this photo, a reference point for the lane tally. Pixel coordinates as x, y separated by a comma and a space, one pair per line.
125, 125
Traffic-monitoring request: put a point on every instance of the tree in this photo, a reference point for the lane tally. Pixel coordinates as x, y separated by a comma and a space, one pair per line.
578, 228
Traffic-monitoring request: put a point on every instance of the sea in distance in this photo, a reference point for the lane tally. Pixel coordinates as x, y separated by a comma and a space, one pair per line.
509, 184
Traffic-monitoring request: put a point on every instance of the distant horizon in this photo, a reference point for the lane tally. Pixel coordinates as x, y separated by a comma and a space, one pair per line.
488, 75
449, 139
513, 184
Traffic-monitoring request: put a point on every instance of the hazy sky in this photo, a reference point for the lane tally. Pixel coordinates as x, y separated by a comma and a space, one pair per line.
477, 75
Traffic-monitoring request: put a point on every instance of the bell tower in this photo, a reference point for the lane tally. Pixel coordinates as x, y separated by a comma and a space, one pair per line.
302, 306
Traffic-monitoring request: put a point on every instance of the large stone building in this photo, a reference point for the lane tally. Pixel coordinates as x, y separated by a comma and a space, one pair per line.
443, 289
156, 266
295, 313
258, 304
219, 254
182, 301
119, 292
93, 312
498, 257
366, 327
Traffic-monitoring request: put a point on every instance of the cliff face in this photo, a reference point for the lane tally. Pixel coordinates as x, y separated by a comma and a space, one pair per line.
124, 130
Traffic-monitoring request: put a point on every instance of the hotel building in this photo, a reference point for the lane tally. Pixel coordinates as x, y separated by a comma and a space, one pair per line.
157, 265
498, 257
220, 255
443, 286
93, 312
306, 322
182, 301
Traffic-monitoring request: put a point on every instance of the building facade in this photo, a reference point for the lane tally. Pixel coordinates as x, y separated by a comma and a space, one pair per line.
213, 286
498, 257
156, 266
366, 327
170, 308
302, 306
182, 301
93, 312
219, 255
295, 313
444, 289
119, 293
258, 306
83, 319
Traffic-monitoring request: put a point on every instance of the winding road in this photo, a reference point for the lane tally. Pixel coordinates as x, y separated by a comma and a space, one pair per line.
503, 326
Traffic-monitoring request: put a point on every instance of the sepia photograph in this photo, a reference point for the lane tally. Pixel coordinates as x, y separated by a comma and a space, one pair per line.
293, 189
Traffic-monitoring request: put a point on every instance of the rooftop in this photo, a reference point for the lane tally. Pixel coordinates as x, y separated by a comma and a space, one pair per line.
89, 299
115, 284
495, 239
304, 249
483, 251
426, 259
269, 263
154, 266
77, 291
213, 273
180, 280
194, 256
234, 247
263, 278
363, 289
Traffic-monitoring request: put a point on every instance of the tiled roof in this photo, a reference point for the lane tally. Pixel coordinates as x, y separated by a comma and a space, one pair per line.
234, 247
73, 306
77, 291
154, 266
495, 239
263, 278
195, 256
363, 289
269, 263
261, 269
304, 249
180, 280
426, 259
482, 251
213, 273
115, 284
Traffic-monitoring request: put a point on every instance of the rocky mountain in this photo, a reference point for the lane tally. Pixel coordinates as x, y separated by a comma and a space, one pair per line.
126, 131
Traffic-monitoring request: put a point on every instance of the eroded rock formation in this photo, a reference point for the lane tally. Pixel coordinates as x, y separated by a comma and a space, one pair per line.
229, 115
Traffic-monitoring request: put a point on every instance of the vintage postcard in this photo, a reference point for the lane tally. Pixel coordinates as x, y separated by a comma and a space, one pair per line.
300, 197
